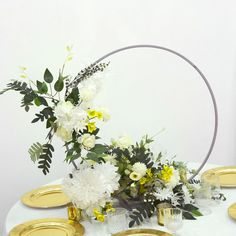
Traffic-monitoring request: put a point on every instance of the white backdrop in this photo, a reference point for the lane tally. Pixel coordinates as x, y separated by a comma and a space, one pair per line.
145, 90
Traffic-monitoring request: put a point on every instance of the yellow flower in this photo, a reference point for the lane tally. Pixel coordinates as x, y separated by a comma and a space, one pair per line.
93, 113
109, 208
149, 173
91, 127
135, 176
143, 181
99, 216
166, 173
99, 115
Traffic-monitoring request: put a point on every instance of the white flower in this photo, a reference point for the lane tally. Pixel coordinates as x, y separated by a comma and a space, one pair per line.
88, 141
64, 134
122, 142
167, 194
63, 113
92, 187
70, 117
174, 180
187, 196
105, 113
135, 176
139, 168
163, 194
110, 158
78, 119
88, 93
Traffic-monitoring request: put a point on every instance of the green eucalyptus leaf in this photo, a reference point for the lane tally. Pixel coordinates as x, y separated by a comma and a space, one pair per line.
59, 85
42, 87
48, 76
37, 101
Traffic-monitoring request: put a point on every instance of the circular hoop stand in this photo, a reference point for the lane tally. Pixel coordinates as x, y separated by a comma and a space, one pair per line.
201, 75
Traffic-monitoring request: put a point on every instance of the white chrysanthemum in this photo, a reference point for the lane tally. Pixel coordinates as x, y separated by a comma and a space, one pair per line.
167, 194
122, 142
174, 180
78, 119
91, 187
69, 118
63, 113
139, 168
163, 194
187, 196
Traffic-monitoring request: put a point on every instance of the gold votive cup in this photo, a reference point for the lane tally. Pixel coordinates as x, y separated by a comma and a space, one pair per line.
74, 213
160, 212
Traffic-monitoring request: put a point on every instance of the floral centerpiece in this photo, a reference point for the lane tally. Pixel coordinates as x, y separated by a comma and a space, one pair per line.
123, 171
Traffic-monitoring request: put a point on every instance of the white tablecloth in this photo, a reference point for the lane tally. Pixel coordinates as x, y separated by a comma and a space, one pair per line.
217, 223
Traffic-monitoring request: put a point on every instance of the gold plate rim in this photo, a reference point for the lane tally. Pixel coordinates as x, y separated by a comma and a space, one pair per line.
153, 232
26, 198
229, 169
230, 213
17, 230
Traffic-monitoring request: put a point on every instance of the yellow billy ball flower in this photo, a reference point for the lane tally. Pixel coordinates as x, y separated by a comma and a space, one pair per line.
135, 176
99, 216
91, 127
166, 173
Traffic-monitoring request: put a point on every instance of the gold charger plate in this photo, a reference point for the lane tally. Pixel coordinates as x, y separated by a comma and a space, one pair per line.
142, 232
232, 211
227, 176
48, 227
45, 197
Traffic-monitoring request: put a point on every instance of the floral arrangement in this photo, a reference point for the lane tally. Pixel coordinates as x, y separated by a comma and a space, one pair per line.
72, 117
133, 175
121, 173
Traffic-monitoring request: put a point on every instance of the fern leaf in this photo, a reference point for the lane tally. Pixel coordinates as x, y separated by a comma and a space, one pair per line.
45, 159
35, 151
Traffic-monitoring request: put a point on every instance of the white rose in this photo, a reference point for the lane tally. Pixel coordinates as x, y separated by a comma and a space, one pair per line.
123, 142
64, 134
88, 141
139, 168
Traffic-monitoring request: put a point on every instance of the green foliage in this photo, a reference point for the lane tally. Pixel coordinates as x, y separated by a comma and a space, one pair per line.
143, 211
46, 113
73, 97
140, 154
48, 76
38, 101
59, 85
99, 149
73, 153
22, 87
35, 151
42, 87
45, 158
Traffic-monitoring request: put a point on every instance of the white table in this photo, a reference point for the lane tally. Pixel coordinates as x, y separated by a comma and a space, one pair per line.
217, 223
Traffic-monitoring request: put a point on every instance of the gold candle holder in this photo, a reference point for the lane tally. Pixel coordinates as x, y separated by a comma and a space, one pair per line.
160, 212
74, 213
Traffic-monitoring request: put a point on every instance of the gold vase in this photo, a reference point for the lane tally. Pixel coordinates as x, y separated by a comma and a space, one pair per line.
160, 212
74, 213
